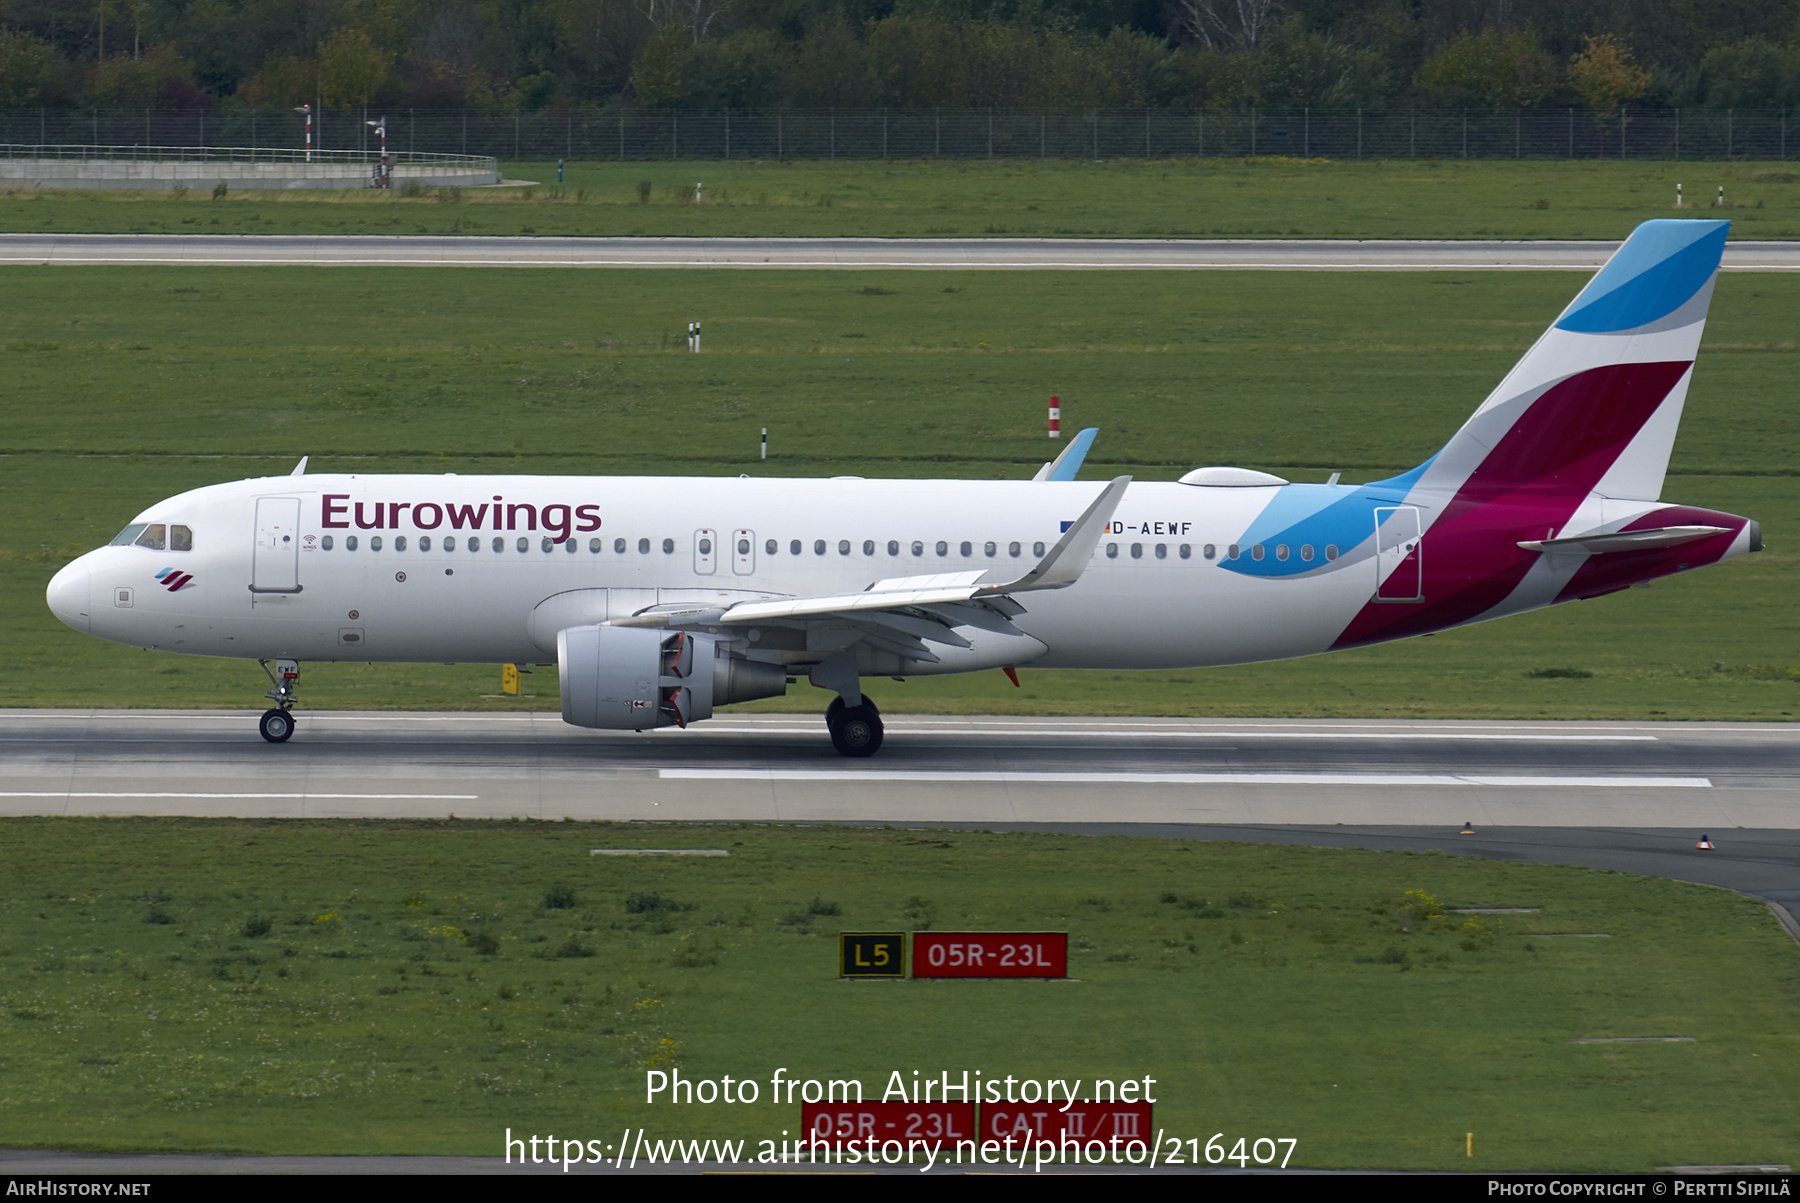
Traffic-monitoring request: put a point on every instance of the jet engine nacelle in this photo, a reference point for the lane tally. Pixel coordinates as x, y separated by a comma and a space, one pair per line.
635, 678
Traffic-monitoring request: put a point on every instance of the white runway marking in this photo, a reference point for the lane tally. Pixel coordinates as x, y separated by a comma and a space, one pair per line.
899, 776
813, 727
235, 797
1064, 732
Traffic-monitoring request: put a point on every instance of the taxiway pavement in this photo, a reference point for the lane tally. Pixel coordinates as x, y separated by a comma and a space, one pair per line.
1001, 254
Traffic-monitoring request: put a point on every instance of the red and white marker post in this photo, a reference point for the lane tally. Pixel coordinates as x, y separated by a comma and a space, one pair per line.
1055, 418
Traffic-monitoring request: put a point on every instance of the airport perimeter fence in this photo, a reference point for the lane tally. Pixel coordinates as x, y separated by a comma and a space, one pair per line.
622, 134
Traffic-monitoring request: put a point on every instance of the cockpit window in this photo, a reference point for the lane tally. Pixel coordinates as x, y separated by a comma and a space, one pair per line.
157, 536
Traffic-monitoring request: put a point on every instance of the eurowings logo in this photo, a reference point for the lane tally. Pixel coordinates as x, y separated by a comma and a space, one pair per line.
175, 581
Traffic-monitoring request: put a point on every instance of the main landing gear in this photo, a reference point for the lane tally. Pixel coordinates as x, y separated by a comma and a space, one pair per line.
278, 724
855, 730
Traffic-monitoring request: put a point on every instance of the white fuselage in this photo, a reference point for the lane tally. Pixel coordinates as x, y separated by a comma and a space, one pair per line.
536, 560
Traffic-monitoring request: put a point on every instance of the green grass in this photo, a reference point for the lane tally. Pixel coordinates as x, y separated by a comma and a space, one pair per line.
1181, 198
123, 382
389, 987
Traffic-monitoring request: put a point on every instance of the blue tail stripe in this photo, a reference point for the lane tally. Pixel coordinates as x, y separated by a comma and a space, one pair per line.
1658, 269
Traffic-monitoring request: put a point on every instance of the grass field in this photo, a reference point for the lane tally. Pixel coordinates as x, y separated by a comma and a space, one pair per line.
343, 987
124, 385
1191, 198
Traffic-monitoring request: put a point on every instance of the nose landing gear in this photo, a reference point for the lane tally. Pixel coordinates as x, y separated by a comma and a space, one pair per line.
277, 725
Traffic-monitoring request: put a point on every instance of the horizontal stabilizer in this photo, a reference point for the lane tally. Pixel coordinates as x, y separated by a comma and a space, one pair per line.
1625, 540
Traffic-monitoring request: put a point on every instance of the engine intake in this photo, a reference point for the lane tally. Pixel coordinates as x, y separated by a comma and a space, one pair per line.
636, 678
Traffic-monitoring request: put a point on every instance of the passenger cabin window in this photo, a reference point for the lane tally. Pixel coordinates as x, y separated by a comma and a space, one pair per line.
399, 542
1037, 549
668, 547
326, 543
349, 542
794, 547
770, 546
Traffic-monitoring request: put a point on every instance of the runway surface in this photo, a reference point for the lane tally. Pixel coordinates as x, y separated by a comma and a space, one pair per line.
1009, 254
1614, 795
933, 769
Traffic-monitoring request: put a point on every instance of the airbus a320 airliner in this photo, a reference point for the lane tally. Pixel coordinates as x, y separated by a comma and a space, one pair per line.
661, 599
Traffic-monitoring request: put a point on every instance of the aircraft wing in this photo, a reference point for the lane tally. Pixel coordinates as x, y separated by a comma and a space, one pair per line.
910, 609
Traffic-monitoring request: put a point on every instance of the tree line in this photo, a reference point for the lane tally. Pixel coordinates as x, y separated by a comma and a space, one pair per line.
906, 54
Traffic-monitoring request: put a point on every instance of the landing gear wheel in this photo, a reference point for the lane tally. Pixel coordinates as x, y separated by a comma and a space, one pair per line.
837, 707
276, 726
855, 730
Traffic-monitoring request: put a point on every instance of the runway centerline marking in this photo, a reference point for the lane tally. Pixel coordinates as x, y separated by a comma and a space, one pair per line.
904, 776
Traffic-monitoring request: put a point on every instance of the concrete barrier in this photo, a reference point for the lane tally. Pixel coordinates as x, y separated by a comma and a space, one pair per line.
166, 173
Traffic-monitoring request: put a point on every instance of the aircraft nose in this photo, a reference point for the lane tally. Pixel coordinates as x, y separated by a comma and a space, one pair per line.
68, 595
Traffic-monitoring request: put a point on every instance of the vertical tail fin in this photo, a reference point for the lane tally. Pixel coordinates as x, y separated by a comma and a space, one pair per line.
1594, 405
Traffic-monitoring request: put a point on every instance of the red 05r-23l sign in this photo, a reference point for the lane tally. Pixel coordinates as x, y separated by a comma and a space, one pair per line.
990, 954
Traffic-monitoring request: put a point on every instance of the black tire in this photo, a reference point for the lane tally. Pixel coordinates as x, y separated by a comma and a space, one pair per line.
276, 726
856, 731
837, 707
